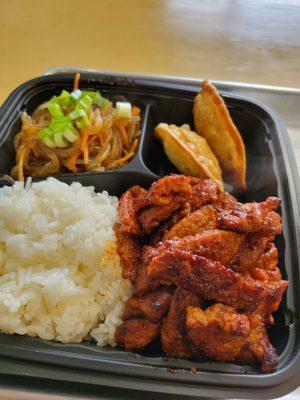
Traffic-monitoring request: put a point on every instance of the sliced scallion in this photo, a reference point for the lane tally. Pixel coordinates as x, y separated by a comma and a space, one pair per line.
71, 136
76, 94
123, 109
59, 140
77, 114
84, 103
44, 133
64, 99
49, 142
82, 123
55, 109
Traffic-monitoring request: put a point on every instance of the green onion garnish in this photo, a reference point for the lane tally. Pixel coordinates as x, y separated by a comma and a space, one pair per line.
55, 109
79, 113
69, 113
45, 133
49, 142
76, 94
59, 140
70, 135
123, 109
64, 99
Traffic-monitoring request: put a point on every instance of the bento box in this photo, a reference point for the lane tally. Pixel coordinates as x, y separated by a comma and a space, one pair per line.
271, 171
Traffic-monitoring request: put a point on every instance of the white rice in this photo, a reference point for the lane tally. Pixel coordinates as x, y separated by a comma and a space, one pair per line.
60, 276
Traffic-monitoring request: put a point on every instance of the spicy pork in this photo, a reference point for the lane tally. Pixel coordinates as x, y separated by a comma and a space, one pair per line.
204, 271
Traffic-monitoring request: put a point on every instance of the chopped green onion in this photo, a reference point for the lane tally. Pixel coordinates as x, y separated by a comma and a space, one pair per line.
84, 103
49, 142
90, 93
96, 98
55, 109
76, 94
102, 102
59, 140
123, 109
77, 114
81, 116
71, 136
58, 126
64, 99
44, 133
62, 128
82, 123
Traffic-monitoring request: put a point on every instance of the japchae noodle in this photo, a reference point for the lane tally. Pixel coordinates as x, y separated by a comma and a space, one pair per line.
107, 142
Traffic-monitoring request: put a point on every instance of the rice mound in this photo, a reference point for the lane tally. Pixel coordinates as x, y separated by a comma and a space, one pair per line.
60, 276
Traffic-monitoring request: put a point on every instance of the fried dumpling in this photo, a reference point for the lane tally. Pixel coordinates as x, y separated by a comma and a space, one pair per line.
189, 152
213, 122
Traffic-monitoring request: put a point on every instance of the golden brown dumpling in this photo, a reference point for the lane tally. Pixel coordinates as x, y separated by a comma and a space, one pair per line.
189, 152
213, 122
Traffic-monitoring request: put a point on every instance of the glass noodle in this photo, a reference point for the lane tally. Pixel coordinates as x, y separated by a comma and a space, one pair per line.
107, 141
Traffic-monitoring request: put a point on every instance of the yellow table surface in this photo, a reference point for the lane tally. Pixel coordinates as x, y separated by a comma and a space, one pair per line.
236, 40
239, 40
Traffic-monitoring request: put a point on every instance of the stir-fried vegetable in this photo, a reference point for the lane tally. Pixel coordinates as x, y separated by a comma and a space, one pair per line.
76, 131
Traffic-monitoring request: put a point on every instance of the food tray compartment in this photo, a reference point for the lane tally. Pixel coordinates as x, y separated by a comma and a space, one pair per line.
9, 128
268, 171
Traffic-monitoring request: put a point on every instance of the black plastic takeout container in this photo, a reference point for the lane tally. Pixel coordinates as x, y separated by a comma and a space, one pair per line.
271, 170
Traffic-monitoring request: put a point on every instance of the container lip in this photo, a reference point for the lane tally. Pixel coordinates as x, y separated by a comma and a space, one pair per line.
171, 78
191, 83
63, 375
160, 373
289, 371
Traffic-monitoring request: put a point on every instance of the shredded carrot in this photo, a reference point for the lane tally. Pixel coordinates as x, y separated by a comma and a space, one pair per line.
123, 133
71, 163
22, 155
134, 146
92, 139
101, 141
76, 81
123, 159
135, 111
84, 146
